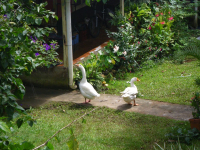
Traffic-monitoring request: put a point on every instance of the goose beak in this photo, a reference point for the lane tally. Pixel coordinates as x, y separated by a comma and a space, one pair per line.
77, 65
138, 79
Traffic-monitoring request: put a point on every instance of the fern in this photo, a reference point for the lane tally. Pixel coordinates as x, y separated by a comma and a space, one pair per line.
193, 49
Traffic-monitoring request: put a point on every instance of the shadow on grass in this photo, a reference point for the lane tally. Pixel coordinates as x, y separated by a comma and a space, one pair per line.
67, 105
197, 81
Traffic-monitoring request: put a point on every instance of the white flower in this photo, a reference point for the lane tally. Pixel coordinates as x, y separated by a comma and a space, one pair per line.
124, 53
116, 48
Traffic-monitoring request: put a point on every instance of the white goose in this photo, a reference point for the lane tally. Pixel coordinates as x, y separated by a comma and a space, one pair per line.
129, 94
86, 89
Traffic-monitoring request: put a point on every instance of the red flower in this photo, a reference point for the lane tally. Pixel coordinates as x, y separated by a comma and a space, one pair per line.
162, 22
170, 18
153, 24
161, 13
149, 28
157, 15
169, 12
138, 42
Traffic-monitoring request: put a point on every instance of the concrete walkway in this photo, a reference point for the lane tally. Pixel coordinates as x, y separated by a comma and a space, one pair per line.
38, 96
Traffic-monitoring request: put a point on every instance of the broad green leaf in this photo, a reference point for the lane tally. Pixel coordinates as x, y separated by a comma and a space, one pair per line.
10, 111
38, 34
4, 127
19, 17
19, 107
4, 64
30, 123
38, 9
50, 146
21, 37
56, 17
72, 142
16, 115
87, 2
29, 20
104, 1
38, 21
2, 42
57, 139
84, 120
113, 61
27, 145
19, 94
19, 122
24, 32
46, 19
4, 7
46, 148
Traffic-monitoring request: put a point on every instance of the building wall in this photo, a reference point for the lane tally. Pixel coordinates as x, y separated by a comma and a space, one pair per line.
55, 77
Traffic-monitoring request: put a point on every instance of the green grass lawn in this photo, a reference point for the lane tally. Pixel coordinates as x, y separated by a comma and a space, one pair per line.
109, 129
105, 128
168, 82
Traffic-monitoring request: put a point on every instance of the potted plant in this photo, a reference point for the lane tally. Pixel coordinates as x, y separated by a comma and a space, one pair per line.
195, 103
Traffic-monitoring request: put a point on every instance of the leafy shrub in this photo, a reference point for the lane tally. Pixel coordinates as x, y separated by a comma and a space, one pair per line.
191, 49
22, 49
197, 81
143, 33
183, 134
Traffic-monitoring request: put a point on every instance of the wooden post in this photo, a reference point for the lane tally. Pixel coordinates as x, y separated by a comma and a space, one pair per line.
122, 7
65, 50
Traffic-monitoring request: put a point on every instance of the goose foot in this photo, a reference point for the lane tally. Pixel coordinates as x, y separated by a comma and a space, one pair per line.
87, 101
135, 104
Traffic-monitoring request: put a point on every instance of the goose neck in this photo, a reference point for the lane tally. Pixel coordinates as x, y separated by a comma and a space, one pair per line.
83, 75
132, 84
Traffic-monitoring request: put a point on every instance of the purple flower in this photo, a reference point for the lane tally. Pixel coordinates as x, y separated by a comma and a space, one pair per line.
5, 16
53, 45
34, 40
36, 54
47, 46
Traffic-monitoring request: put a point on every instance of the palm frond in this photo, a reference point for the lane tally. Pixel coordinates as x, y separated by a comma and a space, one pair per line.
193, 49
